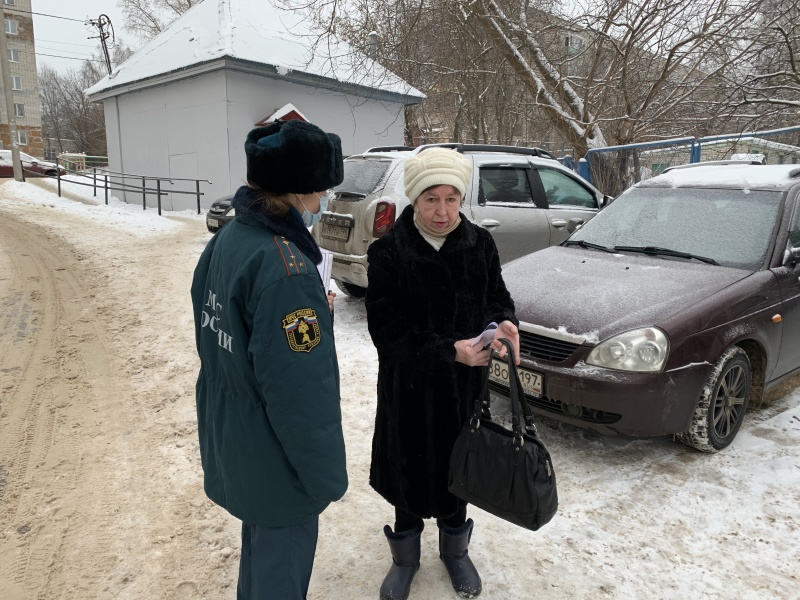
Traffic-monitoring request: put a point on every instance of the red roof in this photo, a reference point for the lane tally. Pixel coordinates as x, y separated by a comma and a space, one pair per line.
290, 114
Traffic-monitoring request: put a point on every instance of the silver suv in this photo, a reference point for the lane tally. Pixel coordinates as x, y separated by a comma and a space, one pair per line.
523, 196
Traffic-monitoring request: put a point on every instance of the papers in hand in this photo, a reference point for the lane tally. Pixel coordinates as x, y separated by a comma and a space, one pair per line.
486, 337
324, 268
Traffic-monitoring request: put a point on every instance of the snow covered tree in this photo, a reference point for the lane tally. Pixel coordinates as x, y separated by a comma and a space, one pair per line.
148, 18
584, 74
67, 115
592, 73
772, 78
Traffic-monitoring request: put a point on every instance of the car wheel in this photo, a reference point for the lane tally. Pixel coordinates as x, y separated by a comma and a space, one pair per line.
722, 405
51, 173
352, 290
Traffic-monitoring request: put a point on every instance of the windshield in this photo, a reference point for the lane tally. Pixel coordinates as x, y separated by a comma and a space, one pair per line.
732, 227
362, 176
6, 155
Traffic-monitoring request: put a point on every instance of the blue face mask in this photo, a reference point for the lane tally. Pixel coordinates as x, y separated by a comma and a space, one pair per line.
310, 218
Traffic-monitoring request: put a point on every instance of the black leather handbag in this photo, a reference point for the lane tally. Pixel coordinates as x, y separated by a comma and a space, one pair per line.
507, 473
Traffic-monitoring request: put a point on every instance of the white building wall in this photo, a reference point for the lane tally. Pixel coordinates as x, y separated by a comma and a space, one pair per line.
359, 122
177, 130
196, 127
114, 147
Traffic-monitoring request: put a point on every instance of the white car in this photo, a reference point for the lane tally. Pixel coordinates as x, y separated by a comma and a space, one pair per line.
523, 196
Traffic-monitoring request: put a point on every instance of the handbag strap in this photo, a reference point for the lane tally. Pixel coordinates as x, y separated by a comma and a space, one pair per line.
520, 411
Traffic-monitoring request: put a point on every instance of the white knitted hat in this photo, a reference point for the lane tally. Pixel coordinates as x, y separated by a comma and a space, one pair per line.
436, 166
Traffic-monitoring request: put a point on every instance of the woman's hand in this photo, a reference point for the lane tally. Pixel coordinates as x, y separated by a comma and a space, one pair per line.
506, 329
331, 296
472, 356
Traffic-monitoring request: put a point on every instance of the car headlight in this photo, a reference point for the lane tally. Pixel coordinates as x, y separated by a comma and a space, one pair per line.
231, 212
643, 350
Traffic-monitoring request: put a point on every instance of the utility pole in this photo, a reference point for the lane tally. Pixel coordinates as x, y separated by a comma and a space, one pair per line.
7, 92
103, 24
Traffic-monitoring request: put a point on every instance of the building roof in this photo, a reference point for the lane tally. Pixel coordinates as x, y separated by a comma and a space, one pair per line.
256, 32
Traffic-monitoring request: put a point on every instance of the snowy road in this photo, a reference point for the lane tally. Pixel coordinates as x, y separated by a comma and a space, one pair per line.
100, 484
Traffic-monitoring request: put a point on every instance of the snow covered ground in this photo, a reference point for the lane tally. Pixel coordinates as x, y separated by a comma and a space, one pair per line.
638, 518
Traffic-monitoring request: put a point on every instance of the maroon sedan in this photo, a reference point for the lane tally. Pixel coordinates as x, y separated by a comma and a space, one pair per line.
669, 312
31, 167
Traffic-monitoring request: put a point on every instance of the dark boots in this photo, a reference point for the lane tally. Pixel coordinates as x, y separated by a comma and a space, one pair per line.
453, 550
405, 562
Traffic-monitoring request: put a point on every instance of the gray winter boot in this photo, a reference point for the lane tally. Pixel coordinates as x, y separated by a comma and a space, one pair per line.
454, 552
405, 547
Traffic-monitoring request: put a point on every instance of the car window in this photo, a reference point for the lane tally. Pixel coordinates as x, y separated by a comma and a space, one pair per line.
562, 190
734, 227
504, 185
363, 176
794, 230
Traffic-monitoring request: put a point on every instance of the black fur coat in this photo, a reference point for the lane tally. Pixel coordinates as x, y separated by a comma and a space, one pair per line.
419, 303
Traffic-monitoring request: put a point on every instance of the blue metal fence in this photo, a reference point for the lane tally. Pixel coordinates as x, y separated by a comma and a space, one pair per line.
615, 168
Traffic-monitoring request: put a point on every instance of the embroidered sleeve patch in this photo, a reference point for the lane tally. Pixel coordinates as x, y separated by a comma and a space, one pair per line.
302, 330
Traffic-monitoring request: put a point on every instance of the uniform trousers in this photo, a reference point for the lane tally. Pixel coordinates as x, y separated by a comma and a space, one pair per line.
276, 562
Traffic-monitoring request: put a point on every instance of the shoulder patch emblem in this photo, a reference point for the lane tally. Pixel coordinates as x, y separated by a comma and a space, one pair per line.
302, 330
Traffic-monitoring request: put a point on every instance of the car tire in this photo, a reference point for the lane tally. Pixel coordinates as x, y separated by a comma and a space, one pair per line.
722, 405
51, 173
351, 289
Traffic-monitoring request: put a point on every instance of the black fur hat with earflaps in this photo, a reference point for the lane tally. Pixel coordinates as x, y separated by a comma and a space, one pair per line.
293, 157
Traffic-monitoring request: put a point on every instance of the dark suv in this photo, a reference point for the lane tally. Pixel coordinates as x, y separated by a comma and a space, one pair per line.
524, 196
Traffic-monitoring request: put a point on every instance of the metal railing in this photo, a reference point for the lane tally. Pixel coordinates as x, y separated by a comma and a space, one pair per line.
104, 179
77, 161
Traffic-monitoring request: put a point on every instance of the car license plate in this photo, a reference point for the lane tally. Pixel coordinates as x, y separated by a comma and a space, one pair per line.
531, 381
213, 223
335, 232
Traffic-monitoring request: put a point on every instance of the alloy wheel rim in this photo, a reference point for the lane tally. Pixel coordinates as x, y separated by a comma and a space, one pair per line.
729, 402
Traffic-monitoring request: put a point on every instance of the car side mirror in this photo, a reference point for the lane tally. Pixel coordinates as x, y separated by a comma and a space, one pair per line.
574, 224
794, 254
605, 201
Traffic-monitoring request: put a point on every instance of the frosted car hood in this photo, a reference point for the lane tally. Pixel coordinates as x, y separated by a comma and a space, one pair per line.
596, 294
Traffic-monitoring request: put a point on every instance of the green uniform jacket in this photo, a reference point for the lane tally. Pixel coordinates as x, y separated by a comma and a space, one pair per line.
268, 411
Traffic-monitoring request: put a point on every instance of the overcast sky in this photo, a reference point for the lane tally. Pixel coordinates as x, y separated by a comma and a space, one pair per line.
67, 37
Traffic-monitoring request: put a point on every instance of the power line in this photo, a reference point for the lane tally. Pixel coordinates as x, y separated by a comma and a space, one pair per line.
69, 57
79, 57
38, 39
79, 53
30, 12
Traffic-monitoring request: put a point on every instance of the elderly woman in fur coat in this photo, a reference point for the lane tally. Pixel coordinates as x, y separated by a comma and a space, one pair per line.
434, 285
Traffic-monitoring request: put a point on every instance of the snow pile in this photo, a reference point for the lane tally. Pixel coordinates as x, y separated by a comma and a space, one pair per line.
126, 217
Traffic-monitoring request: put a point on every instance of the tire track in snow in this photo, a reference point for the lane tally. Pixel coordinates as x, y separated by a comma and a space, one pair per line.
56, 368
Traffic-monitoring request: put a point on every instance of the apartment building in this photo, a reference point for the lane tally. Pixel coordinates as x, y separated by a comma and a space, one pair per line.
24, 84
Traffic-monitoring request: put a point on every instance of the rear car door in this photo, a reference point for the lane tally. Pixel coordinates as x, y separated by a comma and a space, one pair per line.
504, 205
567, 202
